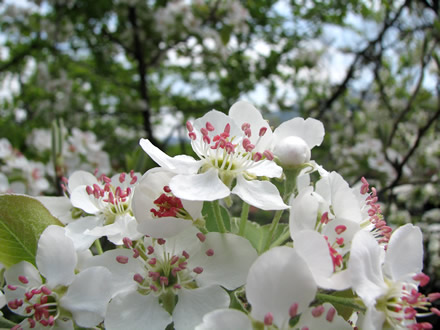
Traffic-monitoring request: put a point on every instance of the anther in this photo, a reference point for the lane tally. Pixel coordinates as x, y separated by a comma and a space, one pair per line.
128, 243
122, 259
268, 154
150, 249
209, 126
23, 279
152, 261
136, 253
167, 189
262, 131
317, 311
164, 280
293, 310
174, 259
12, 287
121, 177
340, 229
185, 254
161, 241
257, 157
189, 126
422, 278
209, 252
201, 237
330, 314
198, 270
46, 290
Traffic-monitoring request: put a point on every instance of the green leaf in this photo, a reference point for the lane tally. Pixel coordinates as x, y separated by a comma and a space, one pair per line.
22, 220
257, 234
209, 216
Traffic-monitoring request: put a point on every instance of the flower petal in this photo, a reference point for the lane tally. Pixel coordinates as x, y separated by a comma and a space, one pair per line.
310, 130
56, 257
76, 231
303, 212
181, 165
199, 187
277, 279
23, 268
88, 295
365, 268
82, 200
193, 304
230, 252
244, 112
261, 194
222, 319
404, 256
81, 178
132, 310
59, 207
163, 227
266, 168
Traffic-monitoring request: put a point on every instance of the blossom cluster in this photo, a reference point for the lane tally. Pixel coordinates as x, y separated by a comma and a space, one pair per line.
165, 248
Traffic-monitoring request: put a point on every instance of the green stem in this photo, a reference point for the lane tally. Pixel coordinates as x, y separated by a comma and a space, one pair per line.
243, 219
218, 216
348, 302
280, 240
273, 226
98, 246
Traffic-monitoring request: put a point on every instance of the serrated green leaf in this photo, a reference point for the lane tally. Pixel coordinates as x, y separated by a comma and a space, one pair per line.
257, 234
22, 220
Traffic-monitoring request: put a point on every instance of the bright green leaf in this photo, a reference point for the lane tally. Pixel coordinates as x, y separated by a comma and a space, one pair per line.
22, 220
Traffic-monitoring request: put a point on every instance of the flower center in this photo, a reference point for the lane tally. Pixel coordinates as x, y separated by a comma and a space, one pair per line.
227, 153
113, 200
39, 304
168, 205
164, 272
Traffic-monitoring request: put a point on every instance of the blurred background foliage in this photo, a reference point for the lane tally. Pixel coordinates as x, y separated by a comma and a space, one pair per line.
108, 72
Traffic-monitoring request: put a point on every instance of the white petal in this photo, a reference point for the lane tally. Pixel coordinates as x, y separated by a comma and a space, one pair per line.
315, 251
230, 252
278, 279
181, 165
222, 319
133, 311
82, 200
76, 231
344, 201
303, 212
56, 257
88, 295
199, 187
81, 178
194, 208
365, 268
310, 130
59, 207
122, 274
23, 268
244, 112
163, 227
404, 255
193, 304
321, 322
261, 194
266, 168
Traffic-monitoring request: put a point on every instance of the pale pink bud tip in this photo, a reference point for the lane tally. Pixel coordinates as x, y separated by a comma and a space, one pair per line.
122, 259
268, 319
293, 310
317, 311
330, 314
210, 252
198, 270
262, 131
422, 278
201, 237
23, 279
340, 229
189, 126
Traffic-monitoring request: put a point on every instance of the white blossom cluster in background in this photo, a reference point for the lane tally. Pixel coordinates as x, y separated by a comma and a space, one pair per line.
176, 254
80, 151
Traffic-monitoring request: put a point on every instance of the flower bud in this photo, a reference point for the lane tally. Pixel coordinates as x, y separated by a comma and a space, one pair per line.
292, 151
